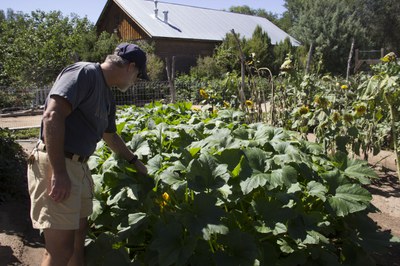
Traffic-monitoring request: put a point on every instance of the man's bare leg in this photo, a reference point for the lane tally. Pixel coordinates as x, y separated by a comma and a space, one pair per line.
78, 257
59, 246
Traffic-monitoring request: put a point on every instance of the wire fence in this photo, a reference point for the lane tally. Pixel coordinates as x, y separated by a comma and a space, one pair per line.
24, 108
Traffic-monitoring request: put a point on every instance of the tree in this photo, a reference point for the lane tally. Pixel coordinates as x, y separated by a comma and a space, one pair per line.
36, 47
260, 46
328, 24
273, 17
382, 21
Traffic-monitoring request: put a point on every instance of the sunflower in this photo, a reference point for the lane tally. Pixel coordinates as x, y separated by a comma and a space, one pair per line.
390, 57
204, 94
249, 103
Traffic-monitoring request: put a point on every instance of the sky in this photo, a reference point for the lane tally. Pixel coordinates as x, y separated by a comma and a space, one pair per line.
93, 8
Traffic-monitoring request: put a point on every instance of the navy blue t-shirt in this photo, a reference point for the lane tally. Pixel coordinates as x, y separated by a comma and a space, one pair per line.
93, 107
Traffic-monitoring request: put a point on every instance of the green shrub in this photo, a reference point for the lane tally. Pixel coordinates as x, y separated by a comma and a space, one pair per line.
12, 167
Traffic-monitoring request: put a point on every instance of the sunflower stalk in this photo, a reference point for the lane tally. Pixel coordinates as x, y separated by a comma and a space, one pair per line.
393, 119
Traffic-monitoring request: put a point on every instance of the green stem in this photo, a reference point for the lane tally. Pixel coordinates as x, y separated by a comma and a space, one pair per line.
211, 246
393, 117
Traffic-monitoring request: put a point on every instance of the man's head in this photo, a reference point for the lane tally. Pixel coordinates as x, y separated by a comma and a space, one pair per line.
125, 66
133, 54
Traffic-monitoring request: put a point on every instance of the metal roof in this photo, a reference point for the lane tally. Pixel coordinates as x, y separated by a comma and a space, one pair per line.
197, 23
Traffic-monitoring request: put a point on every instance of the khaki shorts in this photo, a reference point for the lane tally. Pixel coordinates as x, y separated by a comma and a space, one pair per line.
65, 215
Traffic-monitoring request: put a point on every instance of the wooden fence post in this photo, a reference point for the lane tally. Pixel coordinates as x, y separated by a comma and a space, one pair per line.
242, 71
309, 57
349, 59
170, 67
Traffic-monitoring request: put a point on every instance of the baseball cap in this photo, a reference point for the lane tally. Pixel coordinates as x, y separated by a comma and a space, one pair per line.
134, 54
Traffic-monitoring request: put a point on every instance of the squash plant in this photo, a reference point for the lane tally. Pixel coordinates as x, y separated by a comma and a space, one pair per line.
221, 192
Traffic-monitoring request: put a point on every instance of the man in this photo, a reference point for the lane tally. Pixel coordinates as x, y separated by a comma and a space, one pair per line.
79, 112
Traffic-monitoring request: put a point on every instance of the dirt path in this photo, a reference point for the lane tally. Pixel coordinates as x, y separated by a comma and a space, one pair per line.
22, 245
20, 121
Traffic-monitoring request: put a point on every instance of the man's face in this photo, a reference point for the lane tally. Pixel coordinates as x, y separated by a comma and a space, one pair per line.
129, 77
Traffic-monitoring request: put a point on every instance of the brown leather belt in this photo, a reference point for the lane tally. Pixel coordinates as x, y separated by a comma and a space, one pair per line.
74, 157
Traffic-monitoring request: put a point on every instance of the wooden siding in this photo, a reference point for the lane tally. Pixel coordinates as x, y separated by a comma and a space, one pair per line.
186, 52
116, 21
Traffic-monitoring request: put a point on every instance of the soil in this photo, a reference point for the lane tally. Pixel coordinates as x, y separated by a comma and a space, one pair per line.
20, 244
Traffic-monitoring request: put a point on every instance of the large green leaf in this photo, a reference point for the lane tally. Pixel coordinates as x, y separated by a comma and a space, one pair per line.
257, 159
199, 217
253, 182
105, 251
139, 145
171, 246
125, 193
283, 177
133, 223
349, 198
231, 114
239, 249
154, 164
317, 190
206, 174
361, 172
172, 178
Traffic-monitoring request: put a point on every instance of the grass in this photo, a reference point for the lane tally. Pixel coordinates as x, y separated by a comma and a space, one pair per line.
27, 133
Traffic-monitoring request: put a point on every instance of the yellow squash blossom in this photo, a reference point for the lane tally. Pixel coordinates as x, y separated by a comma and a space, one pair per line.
165, 196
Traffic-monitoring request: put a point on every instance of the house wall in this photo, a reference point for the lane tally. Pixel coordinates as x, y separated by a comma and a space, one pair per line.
117, 22
186, 52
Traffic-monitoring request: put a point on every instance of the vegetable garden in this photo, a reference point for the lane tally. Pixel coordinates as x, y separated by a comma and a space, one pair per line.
232, 184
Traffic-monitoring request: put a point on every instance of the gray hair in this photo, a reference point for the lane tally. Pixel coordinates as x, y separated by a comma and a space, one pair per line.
116, 59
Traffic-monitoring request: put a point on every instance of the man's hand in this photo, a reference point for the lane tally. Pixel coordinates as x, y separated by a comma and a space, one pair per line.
60, 187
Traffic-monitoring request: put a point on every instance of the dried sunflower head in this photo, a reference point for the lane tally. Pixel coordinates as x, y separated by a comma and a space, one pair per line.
336, 117
360, 109
348, 117
304, 110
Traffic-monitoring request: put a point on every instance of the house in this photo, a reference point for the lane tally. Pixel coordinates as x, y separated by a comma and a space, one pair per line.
183, 31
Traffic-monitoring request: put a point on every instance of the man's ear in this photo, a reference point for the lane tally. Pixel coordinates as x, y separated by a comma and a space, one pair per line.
132, 64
